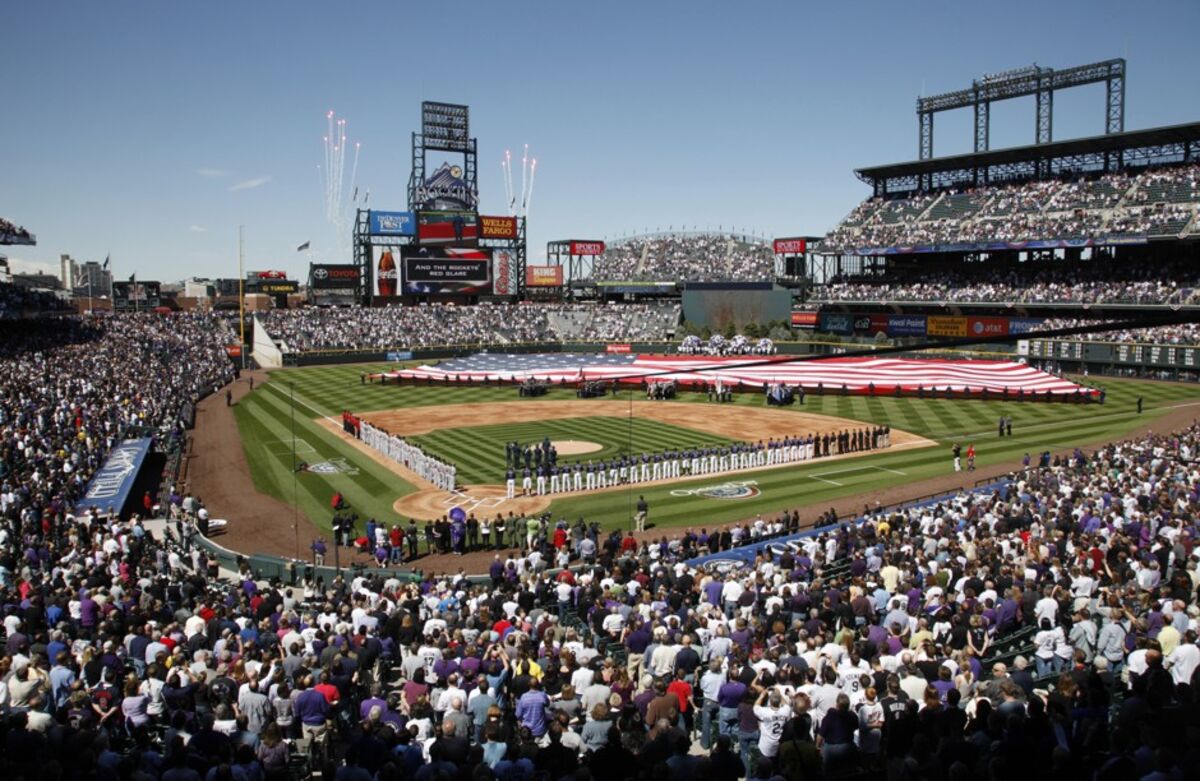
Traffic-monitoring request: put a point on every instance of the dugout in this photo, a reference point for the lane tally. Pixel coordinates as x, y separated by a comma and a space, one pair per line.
716, 304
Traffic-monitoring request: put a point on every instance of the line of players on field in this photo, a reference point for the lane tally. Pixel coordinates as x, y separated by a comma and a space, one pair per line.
539, 472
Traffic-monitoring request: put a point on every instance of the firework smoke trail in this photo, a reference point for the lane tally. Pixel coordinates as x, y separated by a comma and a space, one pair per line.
529, 198
333, 173
524, 166
354, 169
506, 165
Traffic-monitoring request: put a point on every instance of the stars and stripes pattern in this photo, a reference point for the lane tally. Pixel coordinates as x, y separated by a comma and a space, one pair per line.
857, 374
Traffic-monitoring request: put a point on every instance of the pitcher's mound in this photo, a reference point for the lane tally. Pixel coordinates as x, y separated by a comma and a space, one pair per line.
575, 447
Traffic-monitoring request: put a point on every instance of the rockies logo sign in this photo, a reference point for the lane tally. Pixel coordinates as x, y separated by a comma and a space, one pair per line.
725, 566
743, 489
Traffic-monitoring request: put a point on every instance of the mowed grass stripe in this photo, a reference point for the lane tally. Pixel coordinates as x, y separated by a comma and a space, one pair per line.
371, 491
1036, 425
479, 450
275, 423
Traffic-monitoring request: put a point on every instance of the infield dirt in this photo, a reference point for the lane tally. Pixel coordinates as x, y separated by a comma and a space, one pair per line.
734, 422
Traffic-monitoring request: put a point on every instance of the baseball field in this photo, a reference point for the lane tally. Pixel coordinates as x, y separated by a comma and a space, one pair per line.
469, 426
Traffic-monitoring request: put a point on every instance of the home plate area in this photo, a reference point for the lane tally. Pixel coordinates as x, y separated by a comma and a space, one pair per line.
457, 498
483, 500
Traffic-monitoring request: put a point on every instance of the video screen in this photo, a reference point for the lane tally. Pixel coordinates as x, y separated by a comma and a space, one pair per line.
448, 229
446, 270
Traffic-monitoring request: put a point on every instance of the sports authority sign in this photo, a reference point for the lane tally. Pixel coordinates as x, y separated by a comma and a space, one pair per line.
797, 246
587, 248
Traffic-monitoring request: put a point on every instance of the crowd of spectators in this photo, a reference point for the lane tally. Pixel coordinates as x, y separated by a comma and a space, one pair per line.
1181, 334
410, 327
1048, 627
10, 232
74, 387
1086, 282
19, 301
708, 257
1156, 202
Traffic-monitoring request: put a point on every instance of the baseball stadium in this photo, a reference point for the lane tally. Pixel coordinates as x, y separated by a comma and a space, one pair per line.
911, 495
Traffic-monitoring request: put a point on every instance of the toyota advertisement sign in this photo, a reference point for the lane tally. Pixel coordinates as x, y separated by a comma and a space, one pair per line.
333, 276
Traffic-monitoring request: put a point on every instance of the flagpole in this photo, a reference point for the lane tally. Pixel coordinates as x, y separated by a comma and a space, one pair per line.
241, 302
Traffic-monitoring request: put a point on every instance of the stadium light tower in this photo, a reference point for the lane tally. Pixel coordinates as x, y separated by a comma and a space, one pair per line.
1020, 82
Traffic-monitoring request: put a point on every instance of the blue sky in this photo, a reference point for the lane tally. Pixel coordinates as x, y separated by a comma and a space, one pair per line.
128, 127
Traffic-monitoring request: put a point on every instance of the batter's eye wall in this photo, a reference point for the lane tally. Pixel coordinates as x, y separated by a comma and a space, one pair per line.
715, 308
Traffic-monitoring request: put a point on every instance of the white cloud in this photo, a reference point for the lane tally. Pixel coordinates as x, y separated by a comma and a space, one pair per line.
197, 229
213, 173
250, 184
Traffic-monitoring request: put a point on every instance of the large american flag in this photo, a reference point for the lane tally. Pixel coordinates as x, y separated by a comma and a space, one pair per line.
857, 374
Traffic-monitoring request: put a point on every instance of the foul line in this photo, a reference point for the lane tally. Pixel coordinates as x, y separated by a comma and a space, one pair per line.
296, 397
820, 475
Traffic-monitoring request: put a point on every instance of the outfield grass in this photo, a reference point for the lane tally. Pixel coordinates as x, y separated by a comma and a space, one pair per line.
478, 451
264, 419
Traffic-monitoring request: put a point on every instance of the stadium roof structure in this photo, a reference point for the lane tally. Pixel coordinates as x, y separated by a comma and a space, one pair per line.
1098, 154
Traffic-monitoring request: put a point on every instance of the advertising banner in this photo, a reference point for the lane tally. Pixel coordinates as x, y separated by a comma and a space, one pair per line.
502, 275
387, 272
942, 325
543, 276
587, 248
987, 326
269, 274
618, 348
283, 286
906, 325
446, 271
233, 350
837, 323
392, 224
399, 355
497, 227
448, 229
790, 246
1023, 325
804, 319
333, 276
109, 487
